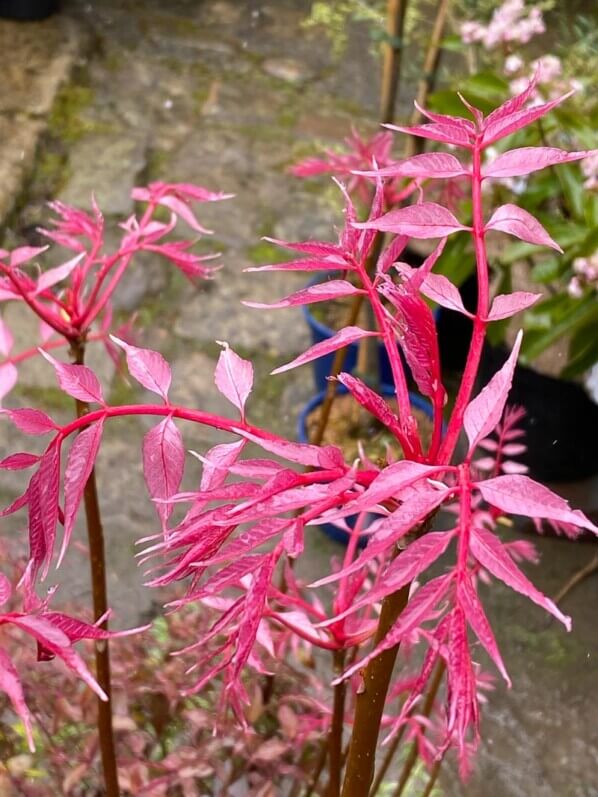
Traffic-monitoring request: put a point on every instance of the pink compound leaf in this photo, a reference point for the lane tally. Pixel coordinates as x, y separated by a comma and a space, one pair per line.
372, 402
322, 292
427, 220
163, 464
506, 124
78, 381
509, 304
52, 276
525, 160
255, 604
345, 337
493, 556
327, 263
234, 377
42, 501
79, 464
483, 414
76, 630
443, 132
443, 119
148, 367
518, 222
519, 495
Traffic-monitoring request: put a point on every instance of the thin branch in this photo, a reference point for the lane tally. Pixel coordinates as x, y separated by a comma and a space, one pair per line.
577, 578
391, 69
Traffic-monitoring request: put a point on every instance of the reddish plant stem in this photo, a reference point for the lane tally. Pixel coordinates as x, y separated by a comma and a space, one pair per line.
369, 703
335, 737
479, 323
100, 606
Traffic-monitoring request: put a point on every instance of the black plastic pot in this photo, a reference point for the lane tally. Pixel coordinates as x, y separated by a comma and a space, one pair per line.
27, 10
561, 422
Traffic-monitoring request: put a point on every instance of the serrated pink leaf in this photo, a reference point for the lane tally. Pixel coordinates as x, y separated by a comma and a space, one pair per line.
5, 589
77, 630
254, 537
429, 165
321, 292
217, 462
441, 290
327, 456
476, 617
525, 160
419, 609
504, 125
426, 220
183, 211
148, 367
19, 461
317, 248
11, 686
52, 276
512, 105
444, 119
404, 569
230, 575
444, 132
78, 381
506, 305
42, 499
485, 411
492, 555
521, 495
253, 612
8, 378
518, 222
163, 464
30, 421
372, 402
234, 377
6, 338
339, 340
79, 464
335, 263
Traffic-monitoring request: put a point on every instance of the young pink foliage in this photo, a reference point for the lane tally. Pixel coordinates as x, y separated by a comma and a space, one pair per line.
52, 276
426, 220
525, 160
431, 165
8, 378
485, 411
79, 464
345, 337
520, 495
163, 464
322, 292
10, 684
78, 381
19, 461
372, 402
476, 617
492, 555
34, 422
328, 263
42, 500
446, 133
148, 367
518, 222
509, 304
507, 122
234, 377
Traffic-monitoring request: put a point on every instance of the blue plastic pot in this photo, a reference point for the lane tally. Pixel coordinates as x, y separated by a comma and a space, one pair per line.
332, 531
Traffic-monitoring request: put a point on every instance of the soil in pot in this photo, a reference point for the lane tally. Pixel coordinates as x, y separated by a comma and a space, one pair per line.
349, 424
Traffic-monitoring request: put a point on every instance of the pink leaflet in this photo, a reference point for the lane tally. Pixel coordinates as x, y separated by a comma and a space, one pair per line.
426, 220
502, 126
234, 377
8, 378
419, 609
5, 589
512, 105
476, 617
372, 402
492, 555
483, 414
50, 277
254, 537
321, 292
163, 464
6, 339
217, 462
11, 686
520, 495
230, 575
316, 248
388, 484
148, 367
328, 263
518, 222
441, 290
431, 165
506, 305
25, 253
447, 133
42, 499
339, 340
253, 611
443, 119
79, 464
76, 630
30, 421
302, 453
78, 381
525, 160
407, 566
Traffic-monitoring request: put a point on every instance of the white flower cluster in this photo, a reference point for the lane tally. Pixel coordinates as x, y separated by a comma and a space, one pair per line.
510, 22
586, 275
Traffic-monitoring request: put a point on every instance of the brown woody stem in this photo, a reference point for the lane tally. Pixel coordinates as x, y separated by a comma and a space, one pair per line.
369, 703
391, 69
97, 560
335, 738
433, 778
